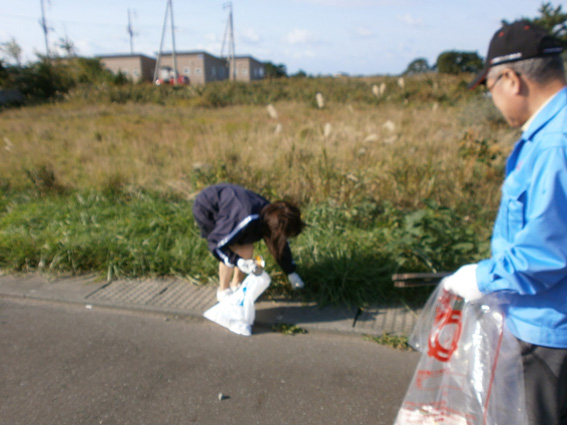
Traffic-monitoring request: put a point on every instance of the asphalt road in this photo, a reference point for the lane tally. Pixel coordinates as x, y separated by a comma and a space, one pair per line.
70, 365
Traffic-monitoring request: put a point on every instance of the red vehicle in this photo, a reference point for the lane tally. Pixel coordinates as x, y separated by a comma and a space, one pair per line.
167, 76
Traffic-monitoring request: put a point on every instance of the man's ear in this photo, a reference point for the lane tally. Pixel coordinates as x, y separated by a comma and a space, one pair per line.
515, 82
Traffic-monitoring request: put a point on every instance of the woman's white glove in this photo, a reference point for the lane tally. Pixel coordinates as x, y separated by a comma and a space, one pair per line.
463, 283
246, 266
295, 281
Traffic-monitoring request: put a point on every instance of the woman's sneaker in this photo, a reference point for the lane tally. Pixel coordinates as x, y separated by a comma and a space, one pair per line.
223, 293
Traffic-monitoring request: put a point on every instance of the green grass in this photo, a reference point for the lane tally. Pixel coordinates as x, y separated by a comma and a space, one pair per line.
346, 255
287, 329
398, 342
120, 235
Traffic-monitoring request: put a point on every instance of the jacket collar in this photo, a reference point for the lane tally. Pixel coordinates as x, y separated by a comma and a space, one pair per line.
545, 114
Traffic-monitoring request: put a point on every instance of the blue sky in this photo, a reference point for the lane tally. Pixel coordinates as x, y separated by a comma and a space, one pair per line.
358, 37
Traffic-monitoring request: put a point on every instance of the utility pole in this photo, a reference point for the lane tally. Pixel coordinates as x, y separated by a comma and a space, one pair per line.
131, 32
43, 24
229, 38
173, 43
168, 11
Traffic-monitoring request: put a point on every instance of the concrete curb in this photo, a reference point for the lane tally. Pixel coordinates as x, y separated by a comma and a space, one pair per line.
182, 298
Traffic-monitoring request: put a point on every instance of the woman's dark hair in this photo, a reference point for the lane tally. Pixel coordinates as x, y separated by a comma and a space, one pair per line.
281, 220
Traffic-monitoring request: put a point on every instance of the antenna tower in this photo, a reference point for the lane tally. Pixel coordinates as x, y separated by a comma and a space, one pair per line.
168, 12
229, 39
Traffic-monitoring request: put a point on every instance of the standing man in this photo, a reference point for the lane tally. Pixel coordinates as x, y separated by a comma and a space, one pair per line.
528, 268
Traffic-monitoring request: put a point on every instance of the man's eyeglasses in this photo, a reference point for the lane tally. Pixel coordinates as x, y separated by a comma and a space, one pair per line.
489, 89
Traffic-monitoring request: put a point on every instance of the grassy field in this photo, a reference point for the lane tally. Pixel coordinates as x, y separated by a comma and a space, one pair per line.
403, 181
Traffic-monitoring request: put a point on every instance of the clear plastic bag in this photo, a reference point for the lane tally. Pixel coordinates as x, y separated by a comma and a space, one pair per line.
236, 312
470, 371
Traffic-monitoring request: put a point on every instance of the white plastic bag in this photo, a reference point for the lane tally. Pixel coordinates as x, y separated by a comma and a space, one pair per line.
236, 311
470, 371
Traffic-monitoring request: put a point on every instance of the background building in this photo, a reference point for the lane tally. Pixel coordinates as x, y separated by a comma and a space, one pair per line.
196, 67
136, 67
247, 69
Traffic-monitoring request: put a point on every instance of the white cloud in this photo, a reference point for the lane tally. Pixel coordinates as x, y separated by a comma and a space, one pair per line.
411, 21
211, 37
362, 32
248, 35
299, 36
301, 54
212, 48
209, 42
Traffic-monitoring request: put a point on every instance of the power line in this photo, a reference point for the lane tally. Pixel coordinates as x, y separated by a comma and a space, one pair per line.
81, 23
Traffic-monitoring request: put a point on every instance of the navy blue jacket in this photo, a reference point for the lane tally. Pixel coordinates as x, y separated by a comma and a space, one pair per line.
230, 214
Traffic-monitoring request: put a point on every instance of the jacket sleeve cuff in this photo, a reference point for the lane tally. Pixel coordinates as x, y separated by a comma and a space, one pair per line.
484, 276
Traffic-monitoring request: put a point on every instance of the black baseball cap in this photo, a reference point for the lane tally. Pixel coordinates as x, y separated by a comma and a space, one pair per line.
515, 42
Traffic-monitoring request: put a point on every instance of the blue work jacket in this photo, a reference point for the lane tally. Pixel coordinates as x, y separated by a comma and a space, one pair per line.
528, 266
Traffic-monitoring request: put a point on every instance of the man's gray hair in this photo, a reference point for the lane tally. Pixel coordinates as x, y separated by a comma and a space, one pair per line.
539, 70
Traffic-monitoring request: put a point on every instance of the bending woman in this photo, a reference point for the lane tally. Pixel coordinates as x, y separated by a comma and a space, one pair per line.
232, 218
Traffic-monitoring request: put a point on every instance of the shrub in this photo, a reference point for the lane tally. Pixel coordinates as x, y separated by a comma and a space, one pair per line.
453, 62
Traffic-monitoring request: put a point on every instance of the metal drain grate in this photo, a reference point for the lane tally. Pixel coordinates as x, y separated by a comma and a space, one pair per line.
388, 319
177, 295
129, 292
185, 296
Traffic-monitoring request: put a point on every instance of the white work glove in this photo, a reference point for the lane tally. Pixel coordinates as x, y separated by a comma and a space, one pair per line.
247, 266
463, 283
295, 281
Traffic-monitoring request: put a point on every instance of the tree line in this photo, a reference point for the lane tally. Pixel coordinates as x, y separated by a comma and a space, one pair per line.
551, 18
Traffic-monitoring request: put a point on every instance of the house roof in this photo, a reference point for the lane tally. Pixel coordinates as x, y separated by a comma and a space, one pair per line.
180, 53
135, 55
202, 52
194, 52
247, 57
